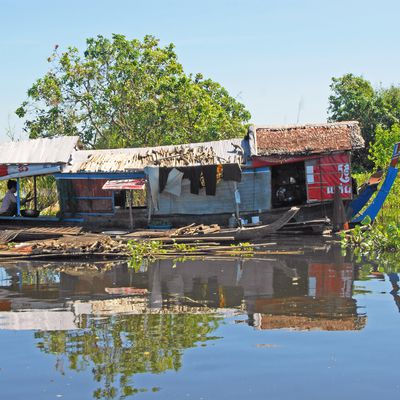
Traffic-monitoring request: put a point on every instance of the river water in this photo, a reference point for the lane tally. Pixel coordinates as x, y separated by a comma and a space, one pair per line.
307, 324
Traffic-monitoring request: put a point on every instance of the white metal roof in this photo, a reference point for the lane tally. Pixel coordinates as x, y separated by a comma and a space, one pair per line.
56, 150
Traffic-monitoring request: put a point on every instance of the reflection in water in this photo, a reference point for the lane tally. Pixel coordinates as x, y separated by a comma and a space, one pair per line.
117, 348
394, 280
116, 323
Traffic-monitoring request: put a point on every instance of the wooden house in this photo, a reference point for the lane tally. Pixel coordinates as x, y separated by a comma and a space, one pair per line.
307, 162
279, 167
263, 174
84, 196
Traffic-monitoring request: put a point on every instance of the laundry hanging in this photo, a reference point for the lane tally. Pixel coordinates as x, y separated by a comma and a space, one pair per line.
174, 182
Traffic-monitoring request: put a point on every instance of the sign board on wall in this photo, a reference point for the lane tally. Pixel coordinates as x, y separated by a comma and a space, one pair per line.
326, 172
25, 170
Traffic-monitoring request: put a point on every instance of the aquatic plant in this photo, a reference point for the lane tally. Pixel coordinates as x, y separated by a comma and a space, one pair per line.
183, 247
373, 240
143, 252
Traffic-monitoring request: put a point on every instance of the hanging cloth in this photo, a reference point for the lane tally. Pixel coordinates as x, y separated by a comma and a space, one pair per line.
209, 173
163, 178
174, 182
193, 174
232, 172
153, 174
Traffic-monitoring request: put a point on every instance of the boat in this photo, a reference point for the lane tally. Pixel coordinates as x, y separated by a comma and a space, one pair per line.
377, 203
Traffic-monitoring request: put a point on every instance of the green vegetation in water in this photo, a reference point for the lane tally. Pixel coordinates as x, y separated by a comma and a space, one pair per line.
183, 247
379, 240
144, 252
246, 249
374, 243
373, 237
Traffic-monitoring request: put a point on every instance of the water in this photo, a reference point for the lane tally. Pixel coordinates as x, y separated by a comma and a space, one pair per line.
305, 326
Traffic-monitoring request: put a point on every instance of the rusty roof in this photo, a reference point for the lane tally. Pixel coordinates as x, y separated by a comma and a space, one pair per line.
129, 159
305, 139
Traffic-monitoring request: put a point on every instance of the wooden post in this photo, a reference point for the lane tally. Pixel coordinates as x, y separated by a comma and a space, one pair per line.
149, 203
130, 210
18, 198
236, 204
34, 193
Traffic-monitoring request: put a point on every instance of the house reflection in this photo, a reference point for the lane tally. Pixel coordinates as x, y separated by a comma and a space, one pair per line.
313, 291
288, 292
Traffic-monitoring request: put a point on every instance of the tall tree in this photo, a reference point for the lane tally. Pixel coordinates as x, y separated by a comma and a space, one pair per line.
354, 98
129, 93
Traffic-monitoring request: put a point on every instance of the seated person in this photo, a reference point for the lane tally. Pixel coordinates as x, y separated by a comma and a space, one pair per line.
9, 204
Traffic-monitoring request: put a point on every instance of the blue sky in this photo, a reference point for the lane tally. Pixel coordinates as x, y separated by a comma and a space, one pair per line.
273, 55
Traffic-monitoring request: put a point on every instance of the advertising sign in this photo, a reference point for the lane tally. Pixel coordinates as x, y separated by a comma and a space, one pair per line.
324, 173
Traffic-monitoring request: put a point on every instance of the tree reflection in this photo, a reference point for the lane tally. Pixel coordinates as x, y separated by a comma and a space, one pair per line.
118, 347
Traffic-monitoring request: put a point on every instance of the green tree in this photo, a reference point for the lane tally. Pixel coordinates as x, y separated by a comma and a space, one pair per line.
128, 93
380, 152
388, 106
353, 99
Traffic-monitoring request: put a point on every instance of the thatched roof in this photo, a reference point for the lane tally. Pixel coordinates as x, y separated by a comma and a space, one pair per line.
305, 139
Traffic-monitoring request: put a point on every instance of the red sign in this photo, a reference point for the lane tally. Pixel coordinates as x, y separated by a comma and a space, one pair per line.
24, 170
324, 173
3, 170
125, 184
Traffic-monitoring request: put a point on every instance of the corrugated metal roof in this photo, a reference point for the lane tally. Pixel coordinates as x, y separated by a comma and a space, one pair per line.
306, 139
121, 160
56, 150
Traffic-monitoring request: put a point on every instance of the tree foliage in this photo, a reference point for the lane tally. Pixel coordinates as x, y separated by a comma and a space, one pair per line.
380, 152
128, 93
354, 98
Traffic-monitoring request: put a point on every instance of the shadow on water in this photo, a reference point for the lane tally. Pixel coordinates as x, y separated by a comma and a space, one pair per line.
116, 323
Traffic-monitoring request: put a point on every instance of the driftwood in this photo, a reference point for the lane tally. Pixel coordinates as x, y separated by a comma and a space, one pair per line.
147, 234
8, 236
183, 229
194, 239
194, 229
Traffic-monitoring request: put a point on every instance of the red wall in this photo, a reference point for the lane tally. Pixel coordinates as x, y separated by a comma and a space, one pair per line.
326, 172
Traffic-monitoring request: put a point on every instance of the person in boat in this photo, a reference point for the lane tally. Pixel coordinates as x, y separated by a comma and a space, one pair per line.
9, 204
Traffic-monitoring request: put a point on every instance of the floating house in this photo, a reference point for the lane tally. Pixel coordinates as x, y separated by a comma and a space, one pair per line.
172, 183
263, 174
307, 162
33, 158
